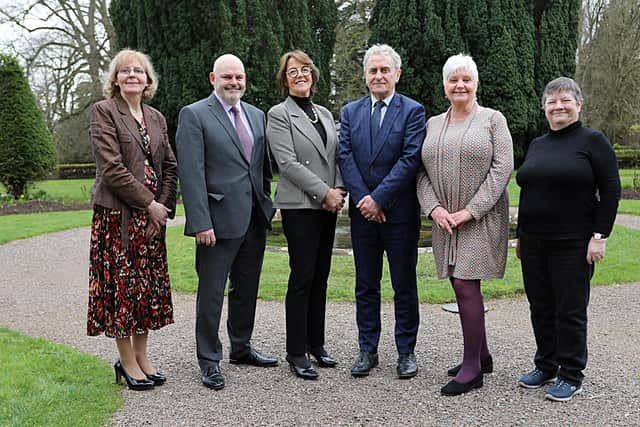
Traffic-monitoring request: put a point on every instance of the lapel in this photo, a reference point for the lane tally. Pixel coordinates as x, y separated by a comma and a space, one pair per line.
332, 138
387, 123
218, 111
256, 126
300, 120
364, 118
153, 128
129, 121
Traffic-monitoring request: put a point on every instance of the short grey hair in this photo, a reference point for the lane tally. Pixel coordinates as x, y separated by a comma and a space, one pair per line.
383, 50
459, 62
562, 84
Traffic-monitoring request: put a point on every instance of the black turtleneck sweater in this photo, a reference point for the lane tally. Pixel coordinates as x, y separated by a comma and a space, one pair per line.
305, 105
570, 185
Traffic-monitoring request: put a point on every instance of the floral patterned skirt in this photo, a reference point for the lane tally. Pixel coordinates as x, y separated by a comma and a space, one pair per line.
129, 290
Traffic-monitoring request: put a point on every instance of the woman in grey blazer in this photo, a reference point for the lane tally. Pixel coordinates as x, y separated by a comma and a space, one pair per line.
309, 194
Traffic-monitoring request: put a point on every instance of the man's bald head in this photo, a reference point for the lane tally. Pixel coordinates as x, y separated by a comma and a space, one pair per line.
228, 78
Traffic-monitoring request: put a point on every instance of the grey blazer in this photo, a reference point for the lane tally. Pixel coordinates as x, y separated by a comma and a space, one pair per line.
308, 169
219, 185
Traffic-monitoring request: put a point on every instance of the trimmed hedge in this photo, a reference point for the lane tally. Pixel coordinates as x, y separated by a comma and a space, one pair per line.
628, 158
77, 171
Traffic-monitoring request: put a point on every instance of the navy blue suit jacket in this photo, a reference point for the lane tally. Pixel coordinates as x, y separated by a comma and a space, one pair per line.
385, 169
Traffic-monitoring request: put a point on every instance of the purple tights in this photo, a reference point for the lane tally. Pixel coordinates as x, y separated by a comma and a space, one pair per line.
471, 308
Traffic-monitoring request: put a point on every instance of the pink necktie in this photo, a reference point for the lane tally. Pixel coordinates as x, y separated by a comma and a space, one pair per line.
243, 134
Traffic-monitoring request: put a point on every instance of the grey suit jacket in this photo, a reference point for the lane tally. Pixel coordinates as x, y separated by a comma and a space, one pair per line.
307, 168
219, 186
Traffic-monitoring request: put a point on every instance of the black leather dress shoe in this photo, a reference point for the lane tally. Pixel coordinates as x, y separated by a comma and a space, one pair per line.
486, 366
212, 377
158, 378
301, 367
254, 358
454, 388
322, 357
363, 365
407, 366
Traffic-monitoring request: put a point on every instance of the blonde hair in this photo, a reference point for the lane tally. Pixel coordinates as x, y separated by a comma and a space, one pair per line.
111, 89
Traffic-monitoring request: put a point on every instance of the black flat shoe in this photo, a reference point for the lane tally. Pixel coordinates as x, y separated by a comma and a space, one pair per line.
254, 358
486, 366
132, 383
323, 358
212, 377
454, 388
158, 378
304, 372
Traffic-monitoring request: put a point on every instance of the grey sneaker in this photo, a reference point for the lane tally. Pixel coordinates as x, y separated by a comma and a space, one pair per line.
536, 378
562, 391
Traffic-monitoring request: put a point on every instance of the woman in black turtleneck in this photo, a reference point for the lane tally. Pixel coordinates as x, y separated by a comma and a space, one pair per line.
303, 141
568, 203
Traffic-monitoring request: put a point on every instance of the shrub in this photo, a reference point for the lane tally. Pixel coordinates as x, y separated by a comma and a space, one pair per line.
26, 146
77, 171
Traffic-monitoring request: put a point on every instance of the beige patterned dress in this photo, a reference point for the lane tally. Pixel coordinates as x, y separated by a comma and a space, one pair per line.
468, 165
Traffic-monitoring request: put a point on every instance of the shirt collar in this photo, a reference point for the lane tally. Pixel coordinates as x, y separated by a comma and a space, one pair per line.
227, 107
387, 100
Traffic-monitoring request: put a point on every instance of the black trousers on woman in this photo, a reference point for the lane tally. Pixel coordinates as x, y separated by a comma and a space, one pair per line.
310, 234
557, 283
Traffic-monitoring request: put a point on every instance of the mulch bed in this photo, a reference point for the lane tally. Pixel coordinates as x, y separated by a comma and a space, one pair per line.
35, 206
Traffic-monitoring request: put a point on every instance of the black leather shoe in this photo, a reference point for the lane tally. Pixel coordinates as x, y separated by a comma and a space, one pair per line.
365, 362
407, 366
486, 366
158, 378
454, 388
323, 358
212, 377
302, 368
254, 358
132, 383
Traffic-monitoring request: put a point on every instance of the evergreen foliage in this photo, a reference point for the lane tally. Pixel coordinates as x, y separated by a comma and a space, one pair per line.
183, 38
518, 45
26, 146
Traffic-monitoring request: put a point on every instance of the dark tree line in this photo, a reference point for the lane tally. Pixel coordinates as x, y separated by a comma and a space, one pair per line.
518, 45
184, 37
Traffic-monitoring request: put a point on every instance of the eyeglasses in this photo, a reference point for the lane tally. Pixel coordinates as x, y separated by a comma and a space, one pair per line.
136, 70
294, 72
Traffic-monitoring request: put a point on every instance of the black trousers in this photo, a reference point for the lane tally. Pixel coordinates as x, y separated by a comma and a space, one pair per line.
239, 260
310, 234
557, 283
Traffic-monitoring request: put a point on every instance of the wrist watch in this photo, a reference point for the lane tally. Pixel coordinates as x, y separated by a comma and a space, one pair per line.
599, 236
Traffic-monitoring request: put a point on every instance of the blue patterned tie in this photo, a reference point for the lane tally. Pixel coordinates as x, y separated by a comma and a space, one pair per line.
375, 121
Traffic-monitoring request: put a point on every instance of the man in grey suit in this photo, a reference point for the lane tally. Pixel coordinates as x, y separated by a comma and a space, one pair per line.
225, 178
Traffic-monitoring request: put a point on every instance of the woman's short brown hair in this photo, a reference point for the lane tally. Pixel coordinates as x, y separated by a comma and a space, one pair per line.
303, 58
111, 89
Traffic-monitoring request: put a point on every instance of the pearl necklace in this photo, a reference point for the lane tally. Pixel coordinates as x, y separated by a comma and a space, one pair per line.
315, 115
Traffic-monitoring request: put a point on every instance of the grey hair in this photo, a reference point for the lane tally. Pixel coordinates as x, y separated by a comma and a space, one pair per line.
383, 50
459, 62
562, 84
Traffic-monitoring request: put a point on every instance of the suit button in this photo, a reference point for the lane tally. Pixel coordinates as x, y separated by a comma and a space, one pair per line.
315, 197
307, 162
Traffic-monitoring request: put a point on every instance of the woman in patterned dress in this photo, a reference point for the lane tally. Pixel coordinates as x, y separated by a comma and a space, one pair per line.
468, 159
134, 194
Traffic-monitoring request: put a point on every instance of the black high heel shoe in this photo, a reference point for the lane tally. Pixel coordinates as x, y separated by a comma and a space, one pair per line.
132, 383
322, 357
158, 378
306, 373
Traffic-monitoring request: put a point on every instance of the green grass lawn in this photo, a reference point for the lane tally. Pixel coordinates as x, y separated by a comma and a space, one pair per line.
46, 384
620, 266
21, 226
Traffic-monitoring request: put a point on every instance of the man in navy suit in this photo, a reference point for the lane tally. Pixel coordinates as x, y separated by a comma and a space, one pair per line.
379, 154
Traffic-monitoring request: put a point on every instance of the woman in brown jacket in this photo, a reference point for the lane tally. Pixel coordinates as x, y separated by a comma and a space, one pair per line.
134, 194
468, 160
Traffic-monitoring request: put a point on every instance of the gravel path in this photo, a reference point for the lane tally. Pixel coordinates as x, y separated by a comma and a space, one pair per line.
43, 293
